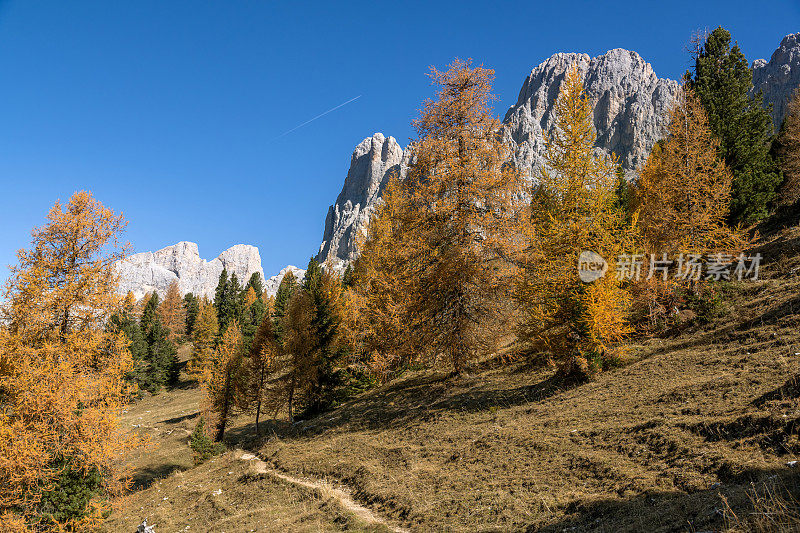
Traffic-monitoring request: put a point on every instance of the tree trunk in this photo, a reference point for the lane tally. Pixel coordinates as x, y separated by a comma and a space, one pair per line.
223, 413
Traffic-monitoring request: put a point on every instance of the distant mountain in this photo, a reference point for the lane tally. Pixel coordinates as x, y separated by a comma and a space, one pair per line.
271, 285
631, 106
373, 162
155, 271
778, 78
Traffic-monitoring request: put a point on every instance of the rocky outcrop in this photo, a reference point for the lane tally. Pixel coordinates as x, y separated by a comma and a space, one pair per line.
778, 78
631, 106
373, 162
271, 285
155, 271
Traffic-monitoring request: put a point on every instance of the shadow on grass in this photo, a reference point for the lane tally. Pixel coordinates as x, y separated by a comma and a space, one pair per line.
144, 477
706, 510
179, 419
788, 391
401, 404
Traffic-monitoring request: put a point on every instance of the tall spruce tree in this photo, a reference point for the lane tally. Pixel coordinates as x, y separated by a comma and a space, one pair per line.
324, 291
722, 80
256, 283
160, 364
788, 149
125, 321
233, 303
313, 272
282, 297
192, 306
220, 291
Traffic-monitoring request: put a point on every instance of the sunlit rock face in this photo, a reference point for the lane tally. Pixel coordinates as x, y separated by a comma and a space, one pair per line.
155, 271
631, 114
631, 107
778, 78
271, 285
373, 162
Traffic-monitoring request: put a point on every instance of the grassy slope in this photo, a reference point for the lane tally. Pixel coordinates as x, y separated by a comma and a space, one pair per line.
649, 447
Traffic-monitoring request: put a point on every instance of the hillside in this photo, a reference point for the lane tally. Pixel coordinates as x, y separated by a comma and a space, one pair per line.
656, 445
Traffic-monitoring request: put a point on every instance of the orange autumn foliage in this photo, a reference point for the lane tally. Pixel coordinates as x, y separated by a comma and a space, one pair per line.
447, 231
61, 369
172, 312
683, 194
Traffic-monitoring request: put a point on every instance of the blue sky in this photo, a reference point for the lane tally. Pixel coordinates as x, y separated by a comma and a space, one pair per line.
172, 112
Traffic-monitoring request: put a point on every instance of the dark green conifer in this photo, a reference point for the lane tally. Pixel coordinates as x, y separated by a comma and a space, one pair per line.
192, 306
722, 79
282, 297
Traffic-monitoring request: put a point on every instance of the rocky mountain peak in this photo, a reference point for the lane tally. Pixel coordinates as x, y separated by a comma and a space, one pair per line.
373, 162
155, 271
631, 105
778, 78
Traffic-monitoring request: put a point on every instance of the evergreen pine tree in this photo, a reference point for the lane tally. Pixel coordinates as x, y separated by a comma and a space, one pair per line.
256, 283
162, 357
722, 80
221, 291
161, 360
125, 322
192, 306
347, 277
232, 304
324, 290
149, 312
282, 297
313, 272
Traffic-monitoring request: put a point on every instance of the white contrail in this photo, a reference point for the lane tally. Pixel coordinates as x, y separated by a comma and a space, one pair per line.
315, 118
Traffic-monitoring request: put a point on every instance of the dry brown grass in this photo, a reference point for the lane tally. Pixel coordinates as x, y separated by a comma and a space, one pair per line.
648, 447
774, 508
674, 441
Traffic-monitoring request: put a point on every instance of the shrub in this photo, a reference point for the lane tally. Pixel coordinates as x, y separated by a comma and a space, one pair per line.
203, 448
70, 493
707, 303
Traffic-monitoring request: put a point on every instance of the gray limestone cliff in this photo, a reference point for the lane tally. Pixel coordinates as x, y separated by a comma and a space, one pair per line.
778, 78
155, 271
373, 162
631, 107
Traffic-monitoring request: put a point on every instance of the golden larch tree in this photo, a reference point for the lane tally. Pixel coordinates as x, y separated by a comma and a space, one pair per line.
204, 335
249, 297
684, 190
789, 150
62, 371
172, 312
223, 380
458, 222
379, 316
574, 210
297, 367
264, 354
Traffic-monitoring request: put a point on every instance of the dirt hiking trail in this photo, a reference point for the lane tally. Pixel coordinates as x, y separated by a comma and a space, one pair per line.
341, 495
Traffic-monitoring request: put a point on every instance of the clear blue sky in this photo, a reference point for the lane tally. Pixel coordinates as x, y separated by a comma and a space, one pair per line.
170, 111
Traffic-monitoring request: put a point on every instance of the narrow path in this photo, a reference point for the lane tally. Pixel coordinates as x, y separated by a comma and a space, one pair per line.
341, 495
